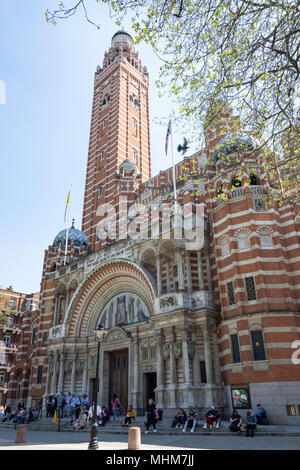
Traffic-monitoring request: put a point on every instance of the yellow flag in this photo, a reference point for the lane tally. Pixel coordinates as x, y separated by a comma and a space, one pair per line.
67, 206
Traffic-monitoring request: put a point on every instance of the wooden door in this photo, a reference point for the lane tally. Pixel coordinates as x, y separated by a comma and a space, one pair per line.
118, 378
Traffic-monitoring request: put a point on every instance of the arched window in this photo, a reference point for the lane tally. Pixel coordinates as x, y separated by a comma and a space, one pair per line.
225, 246
243, 239
100, 191
134, 155
265, 237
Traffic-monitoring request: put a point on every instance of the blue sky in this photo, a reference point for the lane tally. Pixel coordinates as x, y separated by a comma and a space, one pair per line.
44, 127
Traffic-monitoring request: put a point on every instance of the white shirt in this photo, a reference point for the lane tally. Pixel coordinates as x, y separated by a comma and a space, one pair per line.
91, 411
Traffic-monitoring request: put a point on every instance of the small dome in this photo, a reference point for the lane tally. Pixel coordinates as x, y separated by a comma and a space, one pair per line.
121, 36
128, 166
76, 237
233, 143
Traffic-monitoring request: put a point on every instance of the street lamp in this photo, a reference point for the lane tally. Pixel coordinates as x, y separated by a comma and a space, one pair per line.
93, 445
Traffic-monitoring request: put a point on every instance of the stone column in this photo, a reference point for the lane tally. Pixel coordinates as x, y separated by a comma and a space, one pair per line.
173, 375
53, 380
73, 374
55, 310
158, 275
168, 275
185, 359
188, 270
208, 273
159, 372
85, 374
61, 373
196, 363
207, 355
216, 358
180, 269
47, 386
200, 271
67, 302
136, 384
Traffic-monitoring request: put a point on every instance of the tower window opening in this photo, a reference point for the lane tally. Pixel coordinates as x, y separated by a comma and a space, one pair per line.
236, 183
134, 155
100, 191
254, 180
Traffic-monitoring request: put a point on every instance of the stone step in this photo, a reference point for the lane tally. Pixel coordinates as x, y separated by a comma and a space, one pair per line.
114, 429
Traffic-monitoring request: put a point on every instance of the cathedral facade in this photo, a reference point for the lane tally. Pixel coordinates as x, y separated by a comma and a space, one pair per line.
191, 321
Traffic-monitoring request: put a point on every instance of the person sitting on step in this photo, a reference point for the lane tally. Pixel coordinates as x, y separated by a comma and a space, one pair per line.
179, 419
235, 422
251, 425
212, 418
130, 417
191, 421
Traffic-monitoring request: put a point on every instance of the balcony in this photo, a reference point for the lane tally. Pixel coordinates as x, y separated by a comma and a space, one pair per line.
237, 193
187, 300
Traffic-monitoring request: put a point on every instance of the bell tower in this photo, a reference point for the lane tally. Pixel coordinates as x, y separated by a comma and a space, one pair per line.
119, 129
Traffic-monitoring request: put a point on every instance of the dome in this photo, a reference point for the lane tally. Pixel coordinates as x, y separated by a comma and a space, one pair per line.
121, 36
128, 166
233, 143
76, 237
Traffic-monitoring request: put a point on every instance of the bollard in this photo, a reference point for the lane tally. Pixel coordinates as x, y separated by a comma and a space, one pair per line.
20, 434
134, 438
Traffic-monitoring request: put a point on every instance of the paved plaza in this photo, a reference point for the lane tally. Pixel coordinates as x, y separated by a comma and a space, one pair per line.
48, 440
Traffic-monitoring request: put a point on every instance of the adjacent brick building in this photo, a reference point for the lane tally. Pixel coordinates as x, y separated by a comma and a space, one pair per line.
191, 324
19, 306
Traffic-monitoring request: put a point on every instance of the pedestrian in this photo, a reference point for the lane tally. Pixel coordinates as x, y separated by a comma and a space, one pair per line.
116, 406
49, 406
150, 416
68, 404
61, 404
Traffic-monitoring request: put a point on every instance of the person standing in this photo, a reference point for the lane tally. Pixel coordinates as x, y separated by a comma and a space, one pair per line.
49, 407
68, 405
61, 404
21, 405
116, 405
150, 416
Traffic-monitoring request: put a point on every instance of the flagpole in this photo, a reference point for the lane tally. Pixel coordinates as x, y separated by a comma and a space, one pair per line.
67, 227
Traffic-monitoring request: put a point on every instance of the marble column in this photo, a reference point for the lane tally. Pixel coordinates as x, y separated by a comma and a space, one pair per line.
61, 373
136, 389
188, 270
85, 374
159, 372
216, 358
158, 275
73, 374
208, 273
55, 310
196, 363
207, 355
168, 275
173, 374
200, 271
185, 358
54, 377
180, 269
